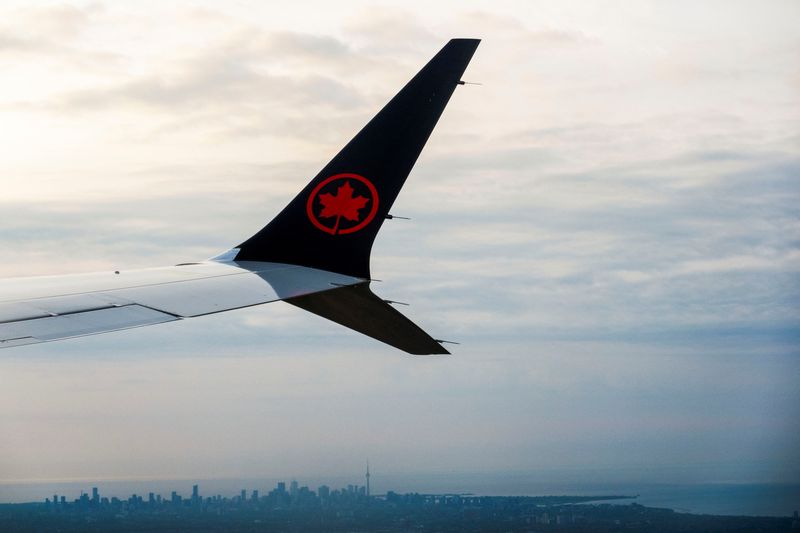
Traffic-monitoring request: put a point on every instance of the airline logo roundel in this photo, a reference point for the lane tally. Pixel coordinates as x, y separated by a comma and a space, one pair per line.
342, 204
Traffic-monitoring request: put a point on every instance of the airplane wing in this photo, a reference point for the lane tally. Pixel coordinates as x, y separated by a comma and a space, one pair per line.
314, 254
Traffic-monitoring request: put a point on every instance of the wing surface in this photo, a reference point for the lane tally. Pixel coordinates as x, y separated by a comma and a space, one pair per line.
87, 304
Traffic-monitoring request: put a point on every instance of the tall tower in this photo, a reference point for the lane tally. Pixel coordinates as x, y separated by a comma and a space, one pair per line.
367, 476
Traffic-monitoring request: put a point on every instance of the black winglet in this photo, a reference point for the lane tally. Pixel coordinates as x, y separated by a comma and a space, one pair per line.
332, 223
357, 308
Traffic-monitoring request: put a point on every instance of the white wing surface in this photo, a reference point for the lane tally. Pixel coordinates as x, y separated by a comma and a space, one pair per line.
50, 308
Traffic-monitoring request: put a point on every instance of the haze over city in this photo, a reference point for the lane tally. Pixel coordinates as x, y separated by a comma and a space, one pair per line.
607, 225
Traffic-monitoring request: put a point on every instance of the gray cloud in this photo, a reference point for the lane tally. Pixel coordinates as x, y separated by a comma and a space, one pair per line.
219, 83
51, 34
511, 26
13, 43
302, 47
234, 87
391, 32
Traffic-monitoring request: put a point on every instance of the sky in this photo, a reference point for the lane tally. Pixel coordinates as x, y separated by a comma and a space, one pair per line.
608, 225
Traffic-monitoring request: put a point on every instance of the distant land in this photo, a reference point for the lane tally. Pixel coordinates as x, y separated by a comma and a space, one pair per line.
353, 508
734, 499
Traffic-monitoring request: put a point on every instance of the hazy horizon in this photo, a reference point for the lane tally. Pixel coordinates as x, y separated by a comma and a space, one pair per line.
737, 499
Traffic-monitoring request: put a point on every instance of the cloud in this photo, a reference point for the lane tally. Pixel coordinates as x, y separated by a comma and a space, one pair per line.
391, 32
52, 34
13, 43
512, 28
229, 74
55, 21
303, 48
218, 86
236, 86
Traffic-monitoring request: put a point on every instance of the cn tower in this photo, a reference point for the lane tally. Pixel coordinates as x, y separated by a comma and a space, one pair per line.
367, 476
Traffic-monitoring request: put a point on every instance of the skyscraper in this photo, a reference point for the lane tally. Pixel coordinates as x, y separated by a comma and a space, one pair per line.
367, 476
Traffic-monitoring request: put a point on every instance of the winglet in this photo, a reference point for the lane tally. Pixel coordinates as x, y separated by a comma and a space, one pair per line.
332, 224
357, 308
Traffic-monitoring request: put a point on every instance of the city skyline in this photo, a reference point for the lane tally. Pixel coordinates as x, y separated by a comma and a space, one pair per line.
349, 509
324, 508
295, 493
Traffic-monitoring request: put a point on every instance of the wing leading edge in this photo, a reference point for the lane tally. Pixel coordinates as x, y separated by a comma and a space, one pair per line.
98, 303
314, 254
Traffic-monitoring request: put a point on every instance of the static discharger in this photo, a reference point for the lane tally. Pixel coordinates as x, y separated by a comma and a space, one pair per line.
395, 302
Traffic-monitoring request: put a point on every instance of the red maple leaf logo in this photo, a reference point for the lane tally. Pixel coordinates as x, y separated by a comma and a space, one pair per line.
343, 204
347, 203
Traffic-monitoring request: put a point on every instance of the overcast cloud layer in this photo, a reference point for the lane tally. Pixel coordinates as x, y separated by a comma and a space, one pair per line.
608, 225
